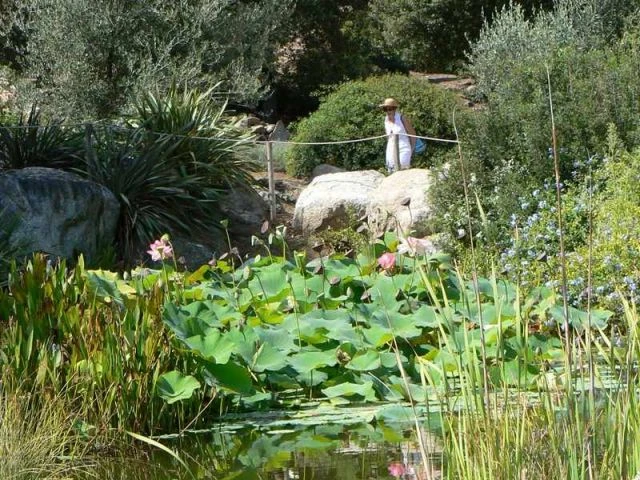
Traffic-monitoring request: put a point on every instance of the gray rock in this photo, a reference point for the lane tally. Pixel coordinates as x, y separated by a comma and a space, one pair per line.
332, 200
244, 207
60, 213
192, 255
280, 132
400, 203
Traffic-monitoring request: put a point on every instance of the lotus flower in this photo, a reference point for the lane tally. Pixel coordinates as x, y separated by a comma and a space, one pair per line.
415, 246
396, 469
387, 261
160, 249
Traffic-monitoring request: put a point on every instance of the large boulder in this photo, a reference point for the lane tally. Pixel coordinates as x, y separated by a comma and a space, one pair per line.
59, 212
332, 200
400, 203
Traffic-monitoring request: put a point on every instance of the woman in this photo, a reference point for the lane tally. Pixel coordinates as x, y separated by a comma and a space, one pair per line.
397, 127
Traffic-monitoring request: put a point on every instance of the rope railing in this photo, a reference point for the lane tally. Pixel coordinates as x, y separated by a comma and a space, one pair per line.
267, 143
223, 139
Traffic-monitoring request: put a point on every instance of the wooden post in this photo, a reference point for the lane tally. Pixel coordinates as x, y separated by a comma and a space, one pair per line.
272, 186
396, 151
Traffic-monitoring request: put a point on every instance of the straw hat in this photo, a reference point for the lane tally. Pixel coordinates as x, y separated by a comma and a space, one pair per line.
389, 102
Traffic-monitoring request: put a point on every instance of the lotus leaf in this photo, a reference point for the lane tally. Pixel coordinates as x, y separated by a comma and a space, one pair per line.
349, 389
400, 325
230, 376
427, 316
366, 361
270, 313
312, 378
212, 346
183, 323
581, 320
344, 268
278, 338
305, 362
270, 282
384, 292
514, 373
104, 286
174, 386
269, 358
377, 336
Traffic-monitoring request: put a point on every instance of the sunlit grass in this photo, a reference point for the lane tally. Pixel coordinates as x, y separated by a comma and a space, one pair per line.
38, 439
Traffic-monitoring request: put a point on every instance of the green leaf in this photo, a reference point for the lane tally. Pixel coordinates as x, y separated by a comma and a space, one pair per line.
213, 346
104, 286
384, 292
230, 376
348, 389
377, 336
579, 319
174, 386
307, 361
427, 316
364, 362
270, 282
268, 358
400, 325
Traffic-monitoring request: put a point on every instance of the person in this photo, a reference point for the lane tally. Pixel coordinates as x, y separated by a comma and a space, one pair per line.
397, 126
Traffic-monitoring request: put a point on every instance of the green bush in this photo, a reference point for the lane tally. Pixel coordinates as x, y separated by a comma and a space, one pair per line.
170, 170
508, 145
351, 112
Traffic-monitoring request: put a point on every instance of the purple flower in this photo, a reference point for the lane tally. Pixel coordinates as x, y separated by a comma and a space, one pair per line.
160, 249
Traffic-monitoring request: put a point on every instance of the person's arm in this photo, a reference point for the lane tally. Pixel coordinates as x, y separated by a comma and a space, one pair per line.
408, 126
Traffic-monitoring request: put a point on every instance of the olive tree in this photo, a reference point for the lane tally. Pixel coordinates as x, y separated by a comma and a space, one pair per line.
89, 59
435, 34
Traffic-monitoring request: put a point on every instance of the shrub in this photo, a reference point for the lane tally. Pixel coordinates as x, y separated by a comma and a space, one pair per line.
30, 143
210, 144
154, 194
508, 145
170, 170
350, 112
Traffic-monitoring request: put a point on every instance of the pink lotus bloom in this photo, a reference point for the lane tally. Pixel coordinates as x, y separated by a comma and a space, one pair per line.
387, 260
415, 246
396, 469
160, 249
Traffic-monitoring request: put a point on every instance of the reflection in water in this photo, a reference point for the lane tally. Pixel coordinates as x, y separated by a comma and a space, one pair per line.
325, 452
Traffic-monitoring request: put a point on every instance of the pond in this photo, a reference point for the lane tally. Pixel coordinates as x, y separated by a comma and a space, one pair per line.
318, 444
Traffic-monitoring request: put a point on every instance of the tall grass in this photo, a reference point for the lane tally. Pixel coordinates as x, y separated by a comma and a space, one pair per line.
581, 420
37, 438
545, 433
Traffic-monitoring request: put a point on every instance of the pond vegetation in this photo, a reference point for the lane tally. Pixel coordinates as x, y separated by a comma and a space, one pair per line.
310, 342
515, 356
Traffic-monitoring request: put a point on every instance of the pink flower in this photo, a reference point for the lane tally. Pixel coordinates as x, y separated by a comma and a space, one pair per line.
396, 469
415, 246
387, 260
160, 249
